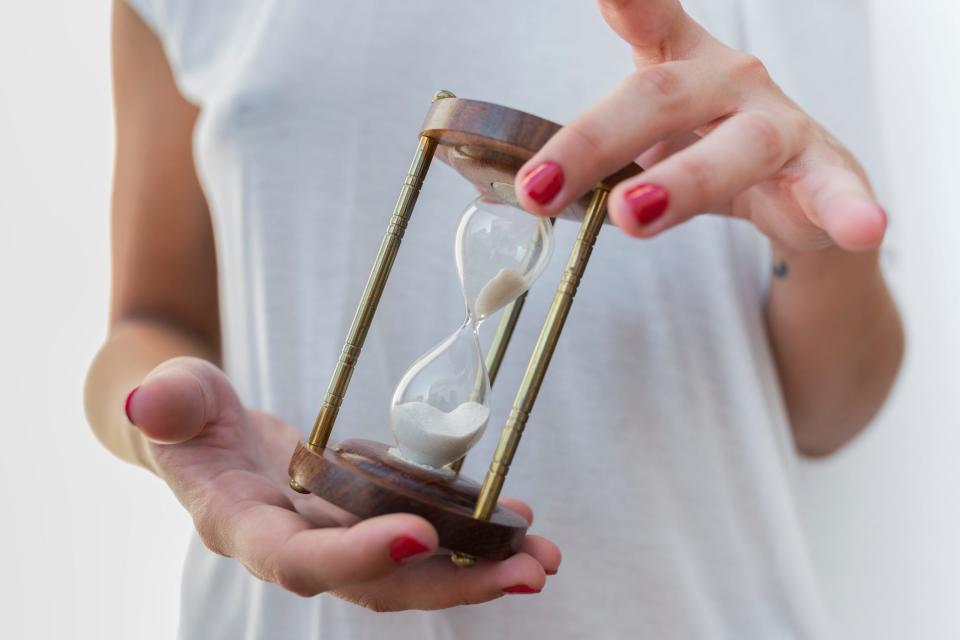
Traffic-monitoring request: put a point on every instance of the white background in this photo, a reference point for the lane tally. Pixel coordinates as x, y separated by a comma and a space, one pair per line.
92, 548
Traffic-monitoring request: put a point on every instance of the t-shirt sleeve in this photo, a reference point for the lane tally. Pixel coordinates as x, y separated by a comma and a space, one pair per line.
151, 12
196, 38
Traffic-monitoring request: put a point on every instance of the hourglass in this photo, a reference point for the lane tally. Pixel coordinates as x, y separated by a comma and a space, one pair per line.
440, 407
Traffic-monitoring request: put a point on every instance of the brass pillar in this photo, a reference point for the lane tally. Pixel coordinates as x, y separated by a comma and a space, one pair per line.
373, 289
542, 352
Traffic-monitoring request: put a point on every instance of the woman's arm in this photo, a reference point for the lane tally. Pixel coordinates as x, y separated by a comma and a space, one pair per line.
164, 294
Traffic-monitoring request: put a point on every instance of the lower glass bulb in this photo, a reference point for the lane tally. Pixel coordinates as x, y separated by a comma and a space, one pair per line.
433, 438
439, 408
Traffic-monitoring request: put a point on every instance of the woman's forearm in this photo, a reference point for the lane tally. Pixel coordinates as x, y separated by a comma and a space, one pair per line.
838, 341
133, 349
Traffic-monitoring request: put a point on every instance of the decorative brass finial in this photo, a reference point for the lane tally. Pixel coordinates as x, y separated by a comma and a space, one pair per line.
296, 486
463, 559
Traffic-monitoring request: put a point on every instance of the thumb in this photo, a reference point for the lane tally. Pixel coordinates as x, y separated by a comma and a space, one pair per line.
179, 398
647, 25
841, 202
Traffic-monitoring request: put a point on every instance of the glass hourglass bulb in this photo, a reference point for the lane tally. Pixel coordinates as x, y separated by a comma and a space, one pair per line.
500, 251
440, 407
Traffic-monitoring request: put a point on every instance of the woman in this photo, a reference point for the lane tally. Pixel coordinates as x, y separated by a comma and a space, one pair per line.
259, 147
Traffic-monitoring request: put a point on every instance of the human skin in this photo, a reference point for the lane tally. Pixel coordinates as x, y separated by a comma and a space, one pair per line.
226, 464
716, 134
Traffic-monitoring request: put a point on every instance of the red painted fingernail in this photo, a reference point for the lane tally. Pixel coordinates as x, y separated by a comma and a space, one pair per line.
543, 182
405, 547
126, 404
647, 202
521, 588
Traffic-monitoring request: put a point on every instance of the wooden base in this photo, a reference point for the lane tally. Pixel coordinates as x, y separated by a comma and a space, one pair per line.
361, 477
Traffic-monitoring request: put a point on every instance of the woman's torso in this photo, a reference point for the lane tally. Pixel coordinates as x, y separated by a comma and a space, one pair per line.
658, 455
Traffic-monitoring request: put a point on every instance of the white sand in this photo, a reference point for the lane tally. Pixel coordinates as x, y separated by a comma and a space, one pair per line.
431, 437
503, 288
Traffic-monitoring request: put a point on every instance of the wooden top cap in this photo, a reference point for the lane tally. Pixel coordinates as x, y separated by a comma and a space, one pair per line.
488, 143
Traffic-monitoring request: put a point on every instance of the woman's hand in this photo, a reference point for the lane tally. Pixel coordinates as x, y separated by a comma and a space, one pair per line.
227, 466
715, 134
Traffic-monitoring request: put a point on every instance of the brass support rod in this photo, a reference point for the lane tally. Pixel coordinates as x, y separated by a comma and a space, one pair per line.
372, 292
542, 352
501, 339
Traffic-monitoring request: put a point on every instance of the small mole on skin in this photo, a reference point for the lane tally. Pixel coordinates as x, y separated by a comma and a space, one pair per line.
780, 270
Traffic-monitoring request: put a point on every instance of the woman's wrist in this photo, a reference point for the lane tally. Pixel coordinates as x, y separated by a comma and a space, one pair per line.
828, 292
827, 270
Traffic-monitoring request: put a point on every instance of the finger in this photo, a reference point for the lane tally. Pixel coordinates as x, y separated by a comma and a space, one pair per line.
521, 507
279, 545
439, 584
666, 148
648, 25
651, 105
737, 154
841, 202
178, 398
543, 551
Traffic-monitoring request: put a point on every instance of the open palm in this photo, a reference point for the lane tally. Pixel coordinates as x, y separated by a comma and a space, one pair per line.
227, 466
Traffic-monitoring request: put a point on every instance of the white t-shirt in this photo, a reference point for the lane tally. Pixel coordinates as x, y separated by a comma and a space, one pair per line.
658, 455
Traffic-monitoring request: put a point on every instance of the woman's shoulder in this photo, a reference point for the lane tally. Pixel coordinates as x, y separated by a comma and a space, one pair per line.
198, 36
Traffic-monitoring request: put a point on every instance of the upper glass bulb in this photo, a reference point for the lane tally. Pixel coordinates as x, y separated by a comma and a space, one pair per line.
500, 251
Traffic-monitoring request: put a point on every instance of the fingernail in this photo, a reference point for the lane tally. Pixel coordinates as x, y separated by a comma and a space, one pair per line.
543, 182
126, 404
550, 572
521, 588
405, 547
647, 202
